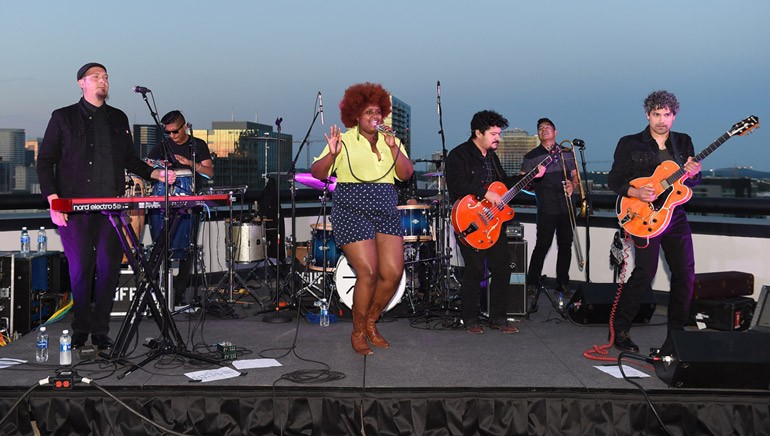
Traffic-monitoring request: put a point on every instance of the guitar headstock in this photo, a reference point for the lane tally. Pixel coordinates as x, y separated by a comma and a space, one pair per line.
745, 126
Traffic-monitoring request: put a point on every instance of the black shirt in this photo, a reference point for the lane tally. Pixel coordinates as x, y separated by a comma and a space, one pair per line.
549, 189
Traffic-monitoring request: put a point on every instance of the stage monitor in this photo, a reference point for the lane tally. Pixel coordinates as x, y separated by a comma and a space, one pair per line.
761, 320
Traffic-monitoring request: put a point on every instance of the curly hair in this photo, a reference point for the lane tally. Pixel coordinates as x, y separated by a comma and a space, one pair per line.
661, 99
360, 95
484, 120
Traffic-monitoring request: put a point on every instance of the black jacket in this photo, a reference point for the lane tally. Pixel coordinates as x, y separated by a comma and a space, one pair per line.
637, 156
66, 157
465, 169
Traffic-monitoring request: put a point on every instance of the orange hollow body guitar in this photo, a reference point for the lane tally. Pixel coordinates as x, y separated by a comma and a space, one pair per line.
646, 220
478, 223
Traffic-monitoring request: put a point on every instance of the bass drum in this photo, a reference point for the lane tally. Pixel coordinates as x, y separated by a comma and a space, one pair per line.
345, 279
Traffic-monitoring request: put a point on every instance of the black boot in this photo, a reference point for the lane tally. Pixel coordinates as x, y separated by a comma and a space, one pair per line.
623, 342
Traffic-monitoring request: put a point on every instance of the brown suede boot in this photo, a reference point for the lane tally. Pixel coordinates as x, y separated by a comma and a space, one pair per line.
375, 310
358, 337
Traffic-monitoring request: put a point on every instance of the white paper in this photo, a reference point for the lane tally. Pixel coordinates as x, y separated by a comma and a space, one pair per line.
5, 362
255, 363
614, 371
208, 375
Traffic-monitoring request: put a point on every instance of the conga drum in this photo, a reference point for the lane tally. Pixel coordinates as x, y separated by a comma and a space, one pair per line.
136, 217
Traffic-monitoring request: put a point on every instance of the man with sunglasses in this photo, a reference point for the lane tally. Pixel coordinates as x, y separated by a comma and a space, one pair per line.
182, 145
85, 152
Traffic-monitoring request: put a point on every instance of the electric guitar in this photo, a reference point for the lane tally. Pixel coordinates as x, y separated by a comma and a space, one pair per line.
649, 219
478, 223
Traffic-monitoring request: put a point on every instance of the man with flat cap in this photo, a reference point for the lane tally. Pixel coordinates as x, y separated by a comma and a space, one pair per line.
85, 152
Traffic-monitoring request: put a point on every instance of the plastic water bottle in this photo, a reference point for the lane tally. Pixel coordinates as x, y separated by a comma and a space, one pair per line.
41, 355
561, 301
42, 240
65, 348
24, 241
323, 318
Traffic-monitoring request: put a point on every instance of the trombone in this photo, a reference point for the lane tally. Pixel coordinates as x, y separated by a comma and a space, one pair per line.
570, 207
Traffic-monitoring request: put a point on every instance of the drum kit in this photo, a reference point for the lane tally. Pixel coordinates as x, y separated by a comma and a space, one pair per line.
328, 274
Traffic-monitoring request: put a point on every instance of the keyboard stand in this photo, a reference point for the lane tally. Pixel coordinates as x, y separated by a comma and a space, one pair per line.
148, 296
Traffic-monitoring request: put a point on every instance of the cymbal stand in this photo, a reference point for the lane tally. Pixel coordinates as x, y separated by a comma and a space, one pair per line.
326, 270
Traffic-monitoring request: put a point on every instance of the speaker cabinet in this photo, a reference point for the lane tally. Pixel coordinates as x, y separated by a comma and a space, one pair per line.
723, 284
517, 287
29, 287
592, 303
727, 360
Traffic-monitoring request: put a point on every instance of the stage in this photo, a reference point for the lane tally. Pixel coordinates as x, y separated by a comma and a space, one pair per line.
435, 379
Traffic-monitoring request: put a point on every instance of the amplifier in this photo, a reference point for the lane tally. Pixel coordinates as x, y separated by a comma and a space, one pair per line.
732, 313
514, 231
29, 289
592, 304
517, 286
723, 284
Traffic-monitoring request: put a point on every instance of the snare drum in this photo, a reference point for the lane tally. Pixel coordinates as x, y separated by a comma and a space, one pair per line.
249, 242
180, 240
321, 234
345, 280
415, 220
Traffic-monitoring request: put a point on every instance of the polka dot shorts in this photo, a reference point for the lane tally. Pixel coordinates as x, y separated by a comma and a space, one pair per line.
362, 209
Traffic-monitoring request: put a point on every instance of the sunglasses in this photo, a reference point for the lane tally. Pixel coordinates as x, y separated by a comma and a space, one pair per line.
174, 132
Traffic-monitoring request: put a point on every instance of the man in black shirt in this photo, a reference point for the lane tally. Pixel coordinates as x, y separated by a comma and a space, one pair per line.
191, 155
85, 152
552, 205
470, 168
638, 156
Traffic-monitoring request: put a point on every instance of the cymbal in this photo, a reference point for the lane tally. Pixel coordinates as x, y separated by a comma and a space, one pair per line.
308, 180
436, 174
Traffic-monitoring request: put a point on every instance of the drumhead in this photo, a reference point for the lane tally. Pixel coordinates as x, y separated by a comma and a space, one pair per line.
413, 206
345, 279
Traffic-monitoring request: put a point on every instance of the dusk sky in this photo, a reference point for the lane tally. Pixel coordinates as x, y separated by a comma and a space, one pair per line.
587, 65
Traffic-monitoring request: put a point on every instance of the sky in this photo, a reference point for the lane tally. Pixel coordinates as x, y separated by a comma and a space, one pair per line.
587, 65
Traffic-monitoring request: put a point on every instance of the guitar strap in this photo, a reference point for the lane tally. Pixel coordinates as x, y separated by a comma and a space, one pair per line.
677, 156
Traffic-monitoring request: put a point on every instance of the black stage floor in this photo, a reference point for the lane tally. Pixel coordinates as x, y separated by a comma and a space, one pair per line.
435, 379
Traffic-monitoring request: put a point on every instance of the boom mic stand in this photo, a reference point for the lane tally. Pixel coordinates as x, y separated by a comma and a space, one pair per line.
277, 316
292, 240
168, 155
581, 145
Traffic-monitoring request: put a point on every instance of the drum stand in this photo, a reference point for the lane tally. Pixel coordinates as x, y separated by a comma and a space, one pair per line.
323, 276
231, 277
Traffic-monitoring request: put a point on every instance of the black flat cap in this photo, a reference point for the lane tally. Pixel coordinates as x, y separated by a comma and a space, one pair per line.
86, 67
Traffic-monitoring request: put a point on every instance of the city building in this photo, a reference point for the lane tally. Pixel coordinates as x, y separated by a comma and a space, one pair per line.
514, 144
145, 137
12, 145
400, 119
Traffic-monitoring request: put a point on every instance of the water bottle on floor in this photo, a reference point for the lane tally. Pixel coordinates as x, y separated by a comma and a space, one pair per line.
42, 240
41, 355
24, 241
323, 318
65, 348
561, 301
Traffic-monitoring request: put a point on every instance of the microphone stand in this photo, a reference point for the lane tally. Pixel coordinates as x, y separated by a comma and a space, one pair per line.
443, 232
277, 316
589, 210
293, 238
168, 155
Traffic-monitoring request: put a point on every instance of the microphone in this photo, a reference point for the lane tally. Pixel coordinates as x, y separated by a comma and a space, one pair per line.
278, 122
438, 96
386, 130
321, 106
140, 89
578, 143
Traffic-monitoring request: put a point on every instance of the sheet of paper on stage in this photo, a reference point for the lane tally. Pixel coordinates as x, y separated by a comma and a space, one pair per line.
614, 371
255, 363
5, 362
208, 375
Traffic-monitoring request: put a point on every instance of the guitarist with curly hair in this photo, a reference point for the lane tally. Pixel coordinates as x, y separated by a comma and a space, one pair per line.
638, 156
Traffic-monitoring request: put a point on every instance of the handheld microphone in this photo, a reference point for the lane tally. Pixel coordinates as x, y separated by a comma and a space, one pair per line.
578, 143
321, 106
140, 89
386, 130
438, 96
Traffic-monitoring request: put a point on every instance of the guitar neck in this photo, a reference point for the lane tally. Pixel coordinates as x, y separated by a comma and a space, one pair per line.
508, 196
678, 174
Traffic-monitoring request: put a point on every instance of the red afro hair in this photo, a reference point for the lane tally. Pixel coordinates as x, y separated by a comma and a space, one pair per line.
360, 95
